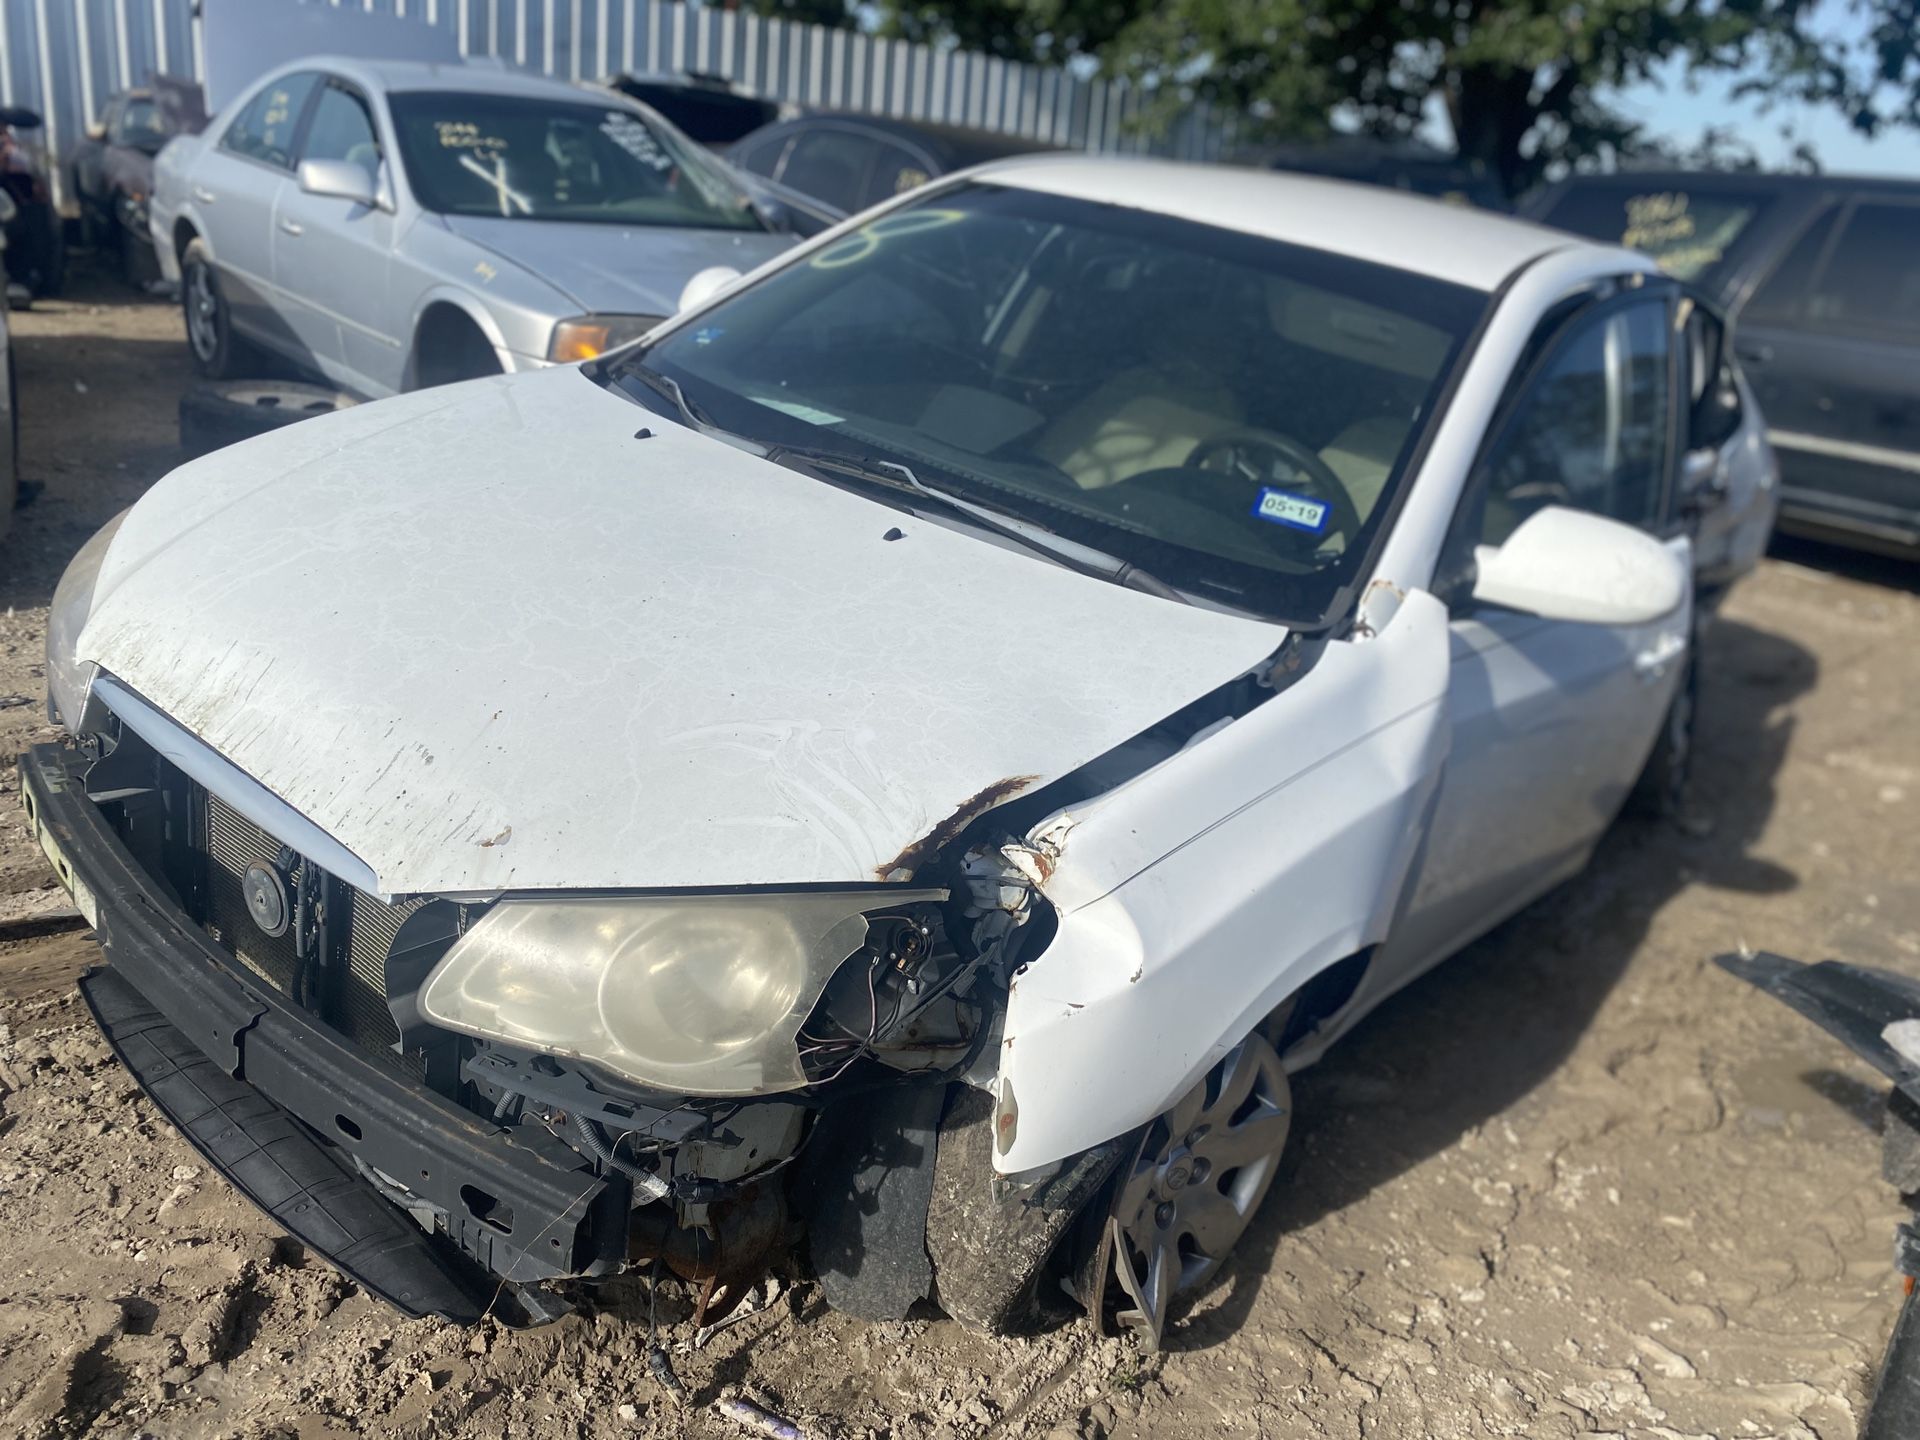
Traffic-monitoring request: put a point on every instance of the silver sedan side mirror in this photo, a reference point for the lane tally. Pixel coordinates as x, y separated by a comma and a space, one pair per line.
705, 285
342, 179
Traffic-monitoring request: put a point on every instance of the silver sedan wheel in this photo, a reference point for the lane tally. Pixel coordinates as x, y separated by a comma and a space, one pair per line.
1201, 1171
203, 307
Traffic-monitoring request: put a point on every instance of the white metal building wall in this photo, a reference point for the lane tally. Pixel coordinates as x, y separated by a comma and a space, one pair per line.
65, 57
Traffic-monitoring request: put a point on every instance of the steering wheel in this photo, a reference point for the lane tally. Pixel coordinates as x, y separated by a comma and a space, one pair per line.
1261, 457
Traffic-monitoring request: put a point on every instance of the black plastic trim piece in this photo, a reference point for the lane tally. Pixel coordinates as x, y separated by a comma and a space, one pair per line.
527, 1214
270, 1158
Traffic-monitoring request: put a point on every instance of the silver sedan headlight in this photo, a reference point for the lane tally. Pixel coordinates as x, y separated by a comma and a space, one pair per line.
67, 679
698, 995
587, 336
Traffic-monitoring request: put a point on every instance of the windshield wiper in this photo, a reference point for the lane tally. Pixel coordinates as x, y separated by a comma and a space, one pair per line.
892, 474
666, 385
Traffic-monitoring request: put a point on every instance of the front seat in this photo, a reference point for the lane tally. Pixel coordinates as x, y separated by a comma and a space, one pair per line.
1133, 423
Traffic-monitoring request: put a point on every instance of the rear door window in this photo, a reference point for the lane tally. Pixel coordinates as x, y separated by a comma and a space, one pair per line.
831, 165
896, 170
1871, 281
761, 155
1687, 232
264, 130
1782, 293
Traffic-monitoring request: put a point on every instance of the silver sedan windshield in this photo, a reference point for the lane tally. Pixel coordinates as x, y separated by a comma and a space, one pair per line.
516, 158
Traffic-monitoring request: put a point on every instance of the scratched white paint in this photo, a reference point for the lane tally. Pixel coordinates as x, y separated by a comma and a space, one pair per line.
485, 638
1302, 819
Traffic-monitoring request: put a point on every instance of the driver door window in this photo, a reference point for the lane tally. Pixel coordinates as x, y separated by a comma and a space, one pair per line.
1550, 720
1592, 432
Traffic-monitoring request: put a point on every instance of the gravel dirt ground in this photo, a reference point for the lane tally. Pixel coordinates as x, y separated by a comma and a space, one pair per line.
1577, 1182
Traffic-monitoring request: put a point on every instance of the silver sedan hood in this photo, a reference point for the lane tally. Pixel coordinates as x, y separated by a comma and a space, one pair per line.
617, 269
486, 638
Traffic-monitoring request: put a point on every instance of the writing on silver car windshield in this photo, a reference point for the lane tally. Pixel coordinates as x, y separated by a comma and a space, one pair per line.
511, 157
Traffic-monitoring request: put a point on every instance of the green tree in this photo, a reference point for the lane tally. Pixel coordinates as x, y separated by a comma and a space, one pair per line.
814, 12
1523, 83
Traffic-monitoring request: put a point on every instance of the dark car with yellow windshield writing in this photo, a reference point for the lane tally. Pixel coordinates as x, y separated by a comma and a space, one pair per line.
1820, 276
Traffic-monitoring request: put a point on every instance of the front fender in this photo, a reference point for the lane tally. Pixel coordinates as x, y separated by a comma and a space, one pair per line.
1195, 899
466, 304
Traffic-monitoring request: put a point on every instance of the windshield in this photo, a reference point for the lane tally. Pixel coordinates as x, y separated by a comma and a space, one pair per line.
515, 158
1230, 414
1687, 232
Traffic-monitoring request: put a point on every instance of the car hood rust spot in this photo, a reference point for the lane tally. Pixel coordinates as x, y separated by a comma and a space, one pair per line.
903, 865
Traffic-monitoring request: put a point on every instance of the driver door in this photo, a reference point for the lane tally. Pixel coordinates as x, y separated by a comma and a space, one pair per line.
333, 258
1551, 721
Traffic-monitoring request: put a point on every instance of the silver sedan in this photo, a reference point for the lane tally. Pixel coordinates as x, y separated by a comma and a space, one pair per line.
393, 225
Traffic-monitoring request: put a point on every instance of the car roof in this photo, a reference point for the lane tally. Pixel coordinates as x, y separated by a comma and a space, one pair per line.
955, 146
1476, 248
1746, 181
404, 75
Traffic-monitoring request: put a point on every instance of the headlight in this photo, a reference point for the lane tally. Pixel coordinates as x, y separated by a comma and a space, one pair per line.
699, 995
591, 335
67, 679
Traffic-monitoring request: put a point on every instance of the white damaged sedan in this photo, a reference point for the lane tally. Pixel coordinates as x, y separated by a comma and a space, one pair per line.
912, 754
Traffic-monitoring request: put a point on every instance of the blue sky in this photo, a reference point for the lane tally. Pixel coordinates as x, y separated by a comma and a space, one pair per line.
1670, 110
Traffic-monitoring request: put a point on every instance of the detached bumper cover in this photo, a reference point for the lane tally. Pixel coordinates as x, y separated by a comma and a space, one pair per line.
253, 1082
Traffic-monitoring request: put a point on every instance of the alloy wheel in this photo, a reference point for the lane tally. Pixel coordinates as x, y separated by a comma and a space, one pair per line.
203, 309
1200, 1173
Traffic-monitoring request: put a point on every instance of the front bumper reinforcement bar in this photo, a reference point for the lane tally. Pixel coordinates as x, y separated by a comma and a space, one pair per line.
256, 1084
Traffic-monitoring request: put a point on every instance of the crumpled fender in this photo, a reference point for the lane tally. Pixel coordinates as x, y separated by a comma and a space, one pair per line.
1196, 897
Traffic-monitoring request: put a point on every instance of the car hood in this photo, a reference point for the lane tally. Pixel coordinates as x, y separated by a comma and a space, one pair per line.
486, 638
616, 269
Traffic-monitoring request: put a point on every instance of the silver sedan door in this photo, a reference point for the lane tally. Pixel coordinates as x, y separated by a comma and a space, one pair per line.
333, 257
1551, 720
235, 186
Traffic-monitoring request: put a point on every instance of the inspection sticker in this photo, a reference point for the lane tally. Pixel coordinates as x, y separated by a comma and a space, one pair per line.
1283, 507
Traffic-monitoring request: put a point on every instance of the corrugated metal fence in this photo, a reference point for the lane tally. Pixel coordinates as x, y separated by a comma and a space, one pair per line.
64, 57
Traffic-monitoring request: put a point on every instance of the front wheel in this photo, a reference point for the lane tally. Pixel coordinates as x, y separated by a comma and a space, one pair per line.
217, 351
1195, 1180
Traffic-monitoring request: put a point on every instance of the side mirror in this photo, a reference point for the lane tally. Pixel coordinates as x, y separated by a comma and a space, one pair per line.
705, 285
1564, 564
341, 179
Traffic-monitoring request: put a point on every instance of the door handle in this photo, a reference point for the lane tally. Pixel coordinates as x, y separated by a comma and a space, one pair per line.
293, 227
204, 195
1652, 663
1755, 354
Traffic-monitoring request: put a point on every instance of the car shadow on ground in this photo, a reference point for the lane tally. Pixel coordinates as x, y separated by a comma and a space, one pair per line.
1477, 1034
1861, 565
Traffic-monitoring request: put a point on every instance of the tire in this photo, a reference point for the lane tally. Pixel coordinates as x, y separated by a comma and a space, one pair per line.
219, 413
218, 353
1664, 790
53, 275
990, 1256
10, 483
133, 251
